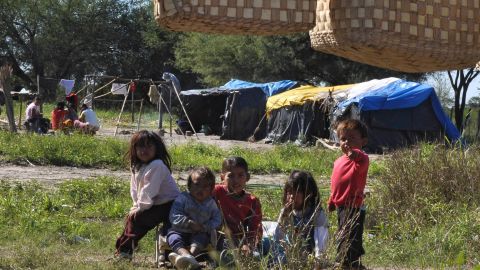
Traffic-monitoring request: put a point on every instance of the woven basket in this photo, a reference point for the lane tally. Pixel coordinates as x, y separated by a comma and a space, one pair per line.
259, 17
403, 35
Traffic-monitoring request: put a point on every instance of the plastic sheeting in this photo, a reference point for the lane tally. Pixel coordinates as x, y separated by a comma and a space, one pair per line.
300, 95
401, 94
270, 89
232, 114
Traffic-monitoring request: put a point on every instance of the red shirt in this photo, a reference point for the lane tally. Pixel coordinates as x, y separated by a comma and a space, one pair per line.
348, 180
242, 214
58, 115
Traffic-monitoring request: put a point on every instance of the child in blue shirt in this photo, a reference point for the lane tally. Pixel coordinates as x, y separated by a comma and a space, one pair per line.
194, 217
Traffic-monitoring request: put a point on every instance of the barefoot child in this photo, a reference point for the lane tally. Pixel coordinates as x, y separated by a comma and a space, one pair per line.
194, 217
152, 188
302, 222
348, 182
241, 210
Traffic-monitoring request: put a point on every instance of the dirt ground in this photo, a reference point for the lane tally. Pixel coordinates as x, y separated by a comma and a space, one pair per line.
52, 175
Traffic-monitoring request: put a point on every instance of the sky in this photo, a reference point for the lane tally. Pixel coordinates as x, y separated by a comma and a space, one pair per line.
473, 89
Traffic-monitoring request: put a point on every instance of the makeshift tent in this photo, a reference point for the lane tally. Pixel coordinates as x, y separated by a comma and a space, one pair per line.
235, 110
232, 114
399, 113
270, 88
299, 114
205, 107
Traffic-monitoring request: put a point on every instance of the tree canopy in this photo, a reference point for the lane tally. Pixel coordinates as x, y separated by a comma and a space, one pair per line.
71, 38
218, 58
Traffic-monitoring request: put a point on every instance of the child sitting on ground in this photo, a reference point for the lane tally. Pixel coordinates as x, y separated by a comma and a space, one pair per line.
241, 210
194, 217
302, 222
152, 188
348, 182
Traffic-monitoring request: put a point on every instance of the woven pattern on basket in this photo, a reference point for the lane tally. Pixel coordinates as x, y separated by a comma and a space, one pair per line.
259, 17
403, 35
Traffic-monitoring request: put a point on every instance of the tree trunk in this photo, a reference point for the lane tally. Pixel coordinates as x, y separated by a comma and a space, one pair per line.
5, 73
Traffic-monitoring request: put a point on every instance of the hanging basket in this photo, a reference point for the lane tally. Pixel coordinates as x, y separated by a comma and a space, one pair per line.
403, 35
258, 17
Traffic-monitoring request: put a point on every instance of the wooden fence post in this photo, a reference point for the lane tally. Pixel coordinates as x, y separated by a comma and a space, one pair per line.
5, 74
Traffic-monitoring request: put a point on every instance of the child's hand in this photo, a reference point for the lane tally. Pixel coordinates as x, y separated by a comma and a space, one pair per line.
133, 212
245, 250
289, 203
195, 226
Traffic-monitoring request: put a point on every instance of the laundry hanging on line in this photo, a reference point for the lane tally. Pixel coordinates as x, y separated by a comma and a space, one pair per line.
67, 85
119, 89
153, 94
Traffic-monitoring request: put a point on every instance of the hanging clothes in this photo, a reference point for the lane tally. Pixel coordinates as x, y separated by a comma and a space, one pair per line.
119, 89
72, 98
133, 87
153, 94
67, 85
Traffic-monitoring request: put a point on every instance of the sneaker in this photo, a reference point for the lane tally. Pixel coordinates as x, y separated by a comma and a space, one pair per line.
172, 257
226, 258
184, 261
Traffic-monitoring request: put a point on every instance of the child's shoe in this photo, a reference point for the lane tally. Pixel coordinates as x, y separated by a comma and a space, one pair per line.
183, 261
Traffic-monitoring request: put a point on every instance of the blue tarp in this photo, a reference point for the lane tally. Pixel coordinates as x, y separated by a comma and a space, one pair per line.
401, 95
270, 89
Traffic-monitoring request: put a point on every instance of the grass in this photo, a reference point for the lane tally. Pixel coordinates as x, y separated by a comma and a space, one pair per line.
87, 151
425, 201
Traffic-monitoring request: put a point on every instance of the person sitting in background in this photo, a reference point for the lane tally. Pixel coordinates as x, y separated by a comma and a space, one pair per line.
58, 116
87, 122
34, 120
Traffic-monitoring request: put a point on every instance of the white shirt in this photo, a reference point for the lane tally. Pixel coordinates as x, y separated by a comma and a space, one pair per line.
90, 117
32, 111
153, 184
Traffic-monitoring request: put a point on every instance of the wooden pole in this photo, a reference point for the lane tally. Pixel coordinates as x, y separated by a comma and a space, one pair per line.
20, 99
121, 111
160, 112
133, 113
5, 74
170, 109
140, 115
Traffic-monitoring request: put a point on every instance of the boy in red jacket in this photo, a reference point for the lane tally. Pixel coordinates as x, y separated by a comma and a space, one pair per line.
241, 210
348, 181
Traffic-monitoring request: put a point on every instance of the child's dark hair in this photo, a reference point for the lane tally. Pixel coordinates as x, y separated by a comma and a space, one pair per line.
234, 162
353, 124
61, 105
202, 173
142, 138
304, 182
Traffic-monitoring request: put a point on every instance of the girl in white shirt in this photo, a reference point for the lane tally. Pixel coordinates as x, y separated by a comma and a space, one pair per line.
302, 224
152, 189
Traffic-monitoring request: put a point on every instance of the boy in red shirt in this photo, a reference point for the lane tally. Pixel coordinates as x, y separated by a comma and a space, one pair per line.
348, 181
241, 210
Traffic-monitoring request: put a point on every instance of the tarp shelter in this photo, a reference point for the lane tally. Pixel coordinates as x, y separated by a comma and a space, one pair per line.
235, 110
270, 88
205, 107
298, 114
232, 114
397, 112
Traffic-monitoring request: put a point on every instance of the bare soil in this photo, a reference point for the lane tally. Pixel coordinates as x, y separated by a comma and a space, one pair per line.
52, 175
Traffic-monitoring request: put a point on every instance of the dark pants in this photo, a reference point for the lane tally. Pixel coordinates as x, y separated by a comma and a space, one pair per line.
349, 235
177, 240
137, 226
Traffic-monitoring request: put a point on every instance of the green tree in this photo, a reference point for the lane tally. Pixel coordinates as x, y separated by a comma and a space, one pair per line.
474, 102
460, 85
72, 38
442, 88
218, 58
